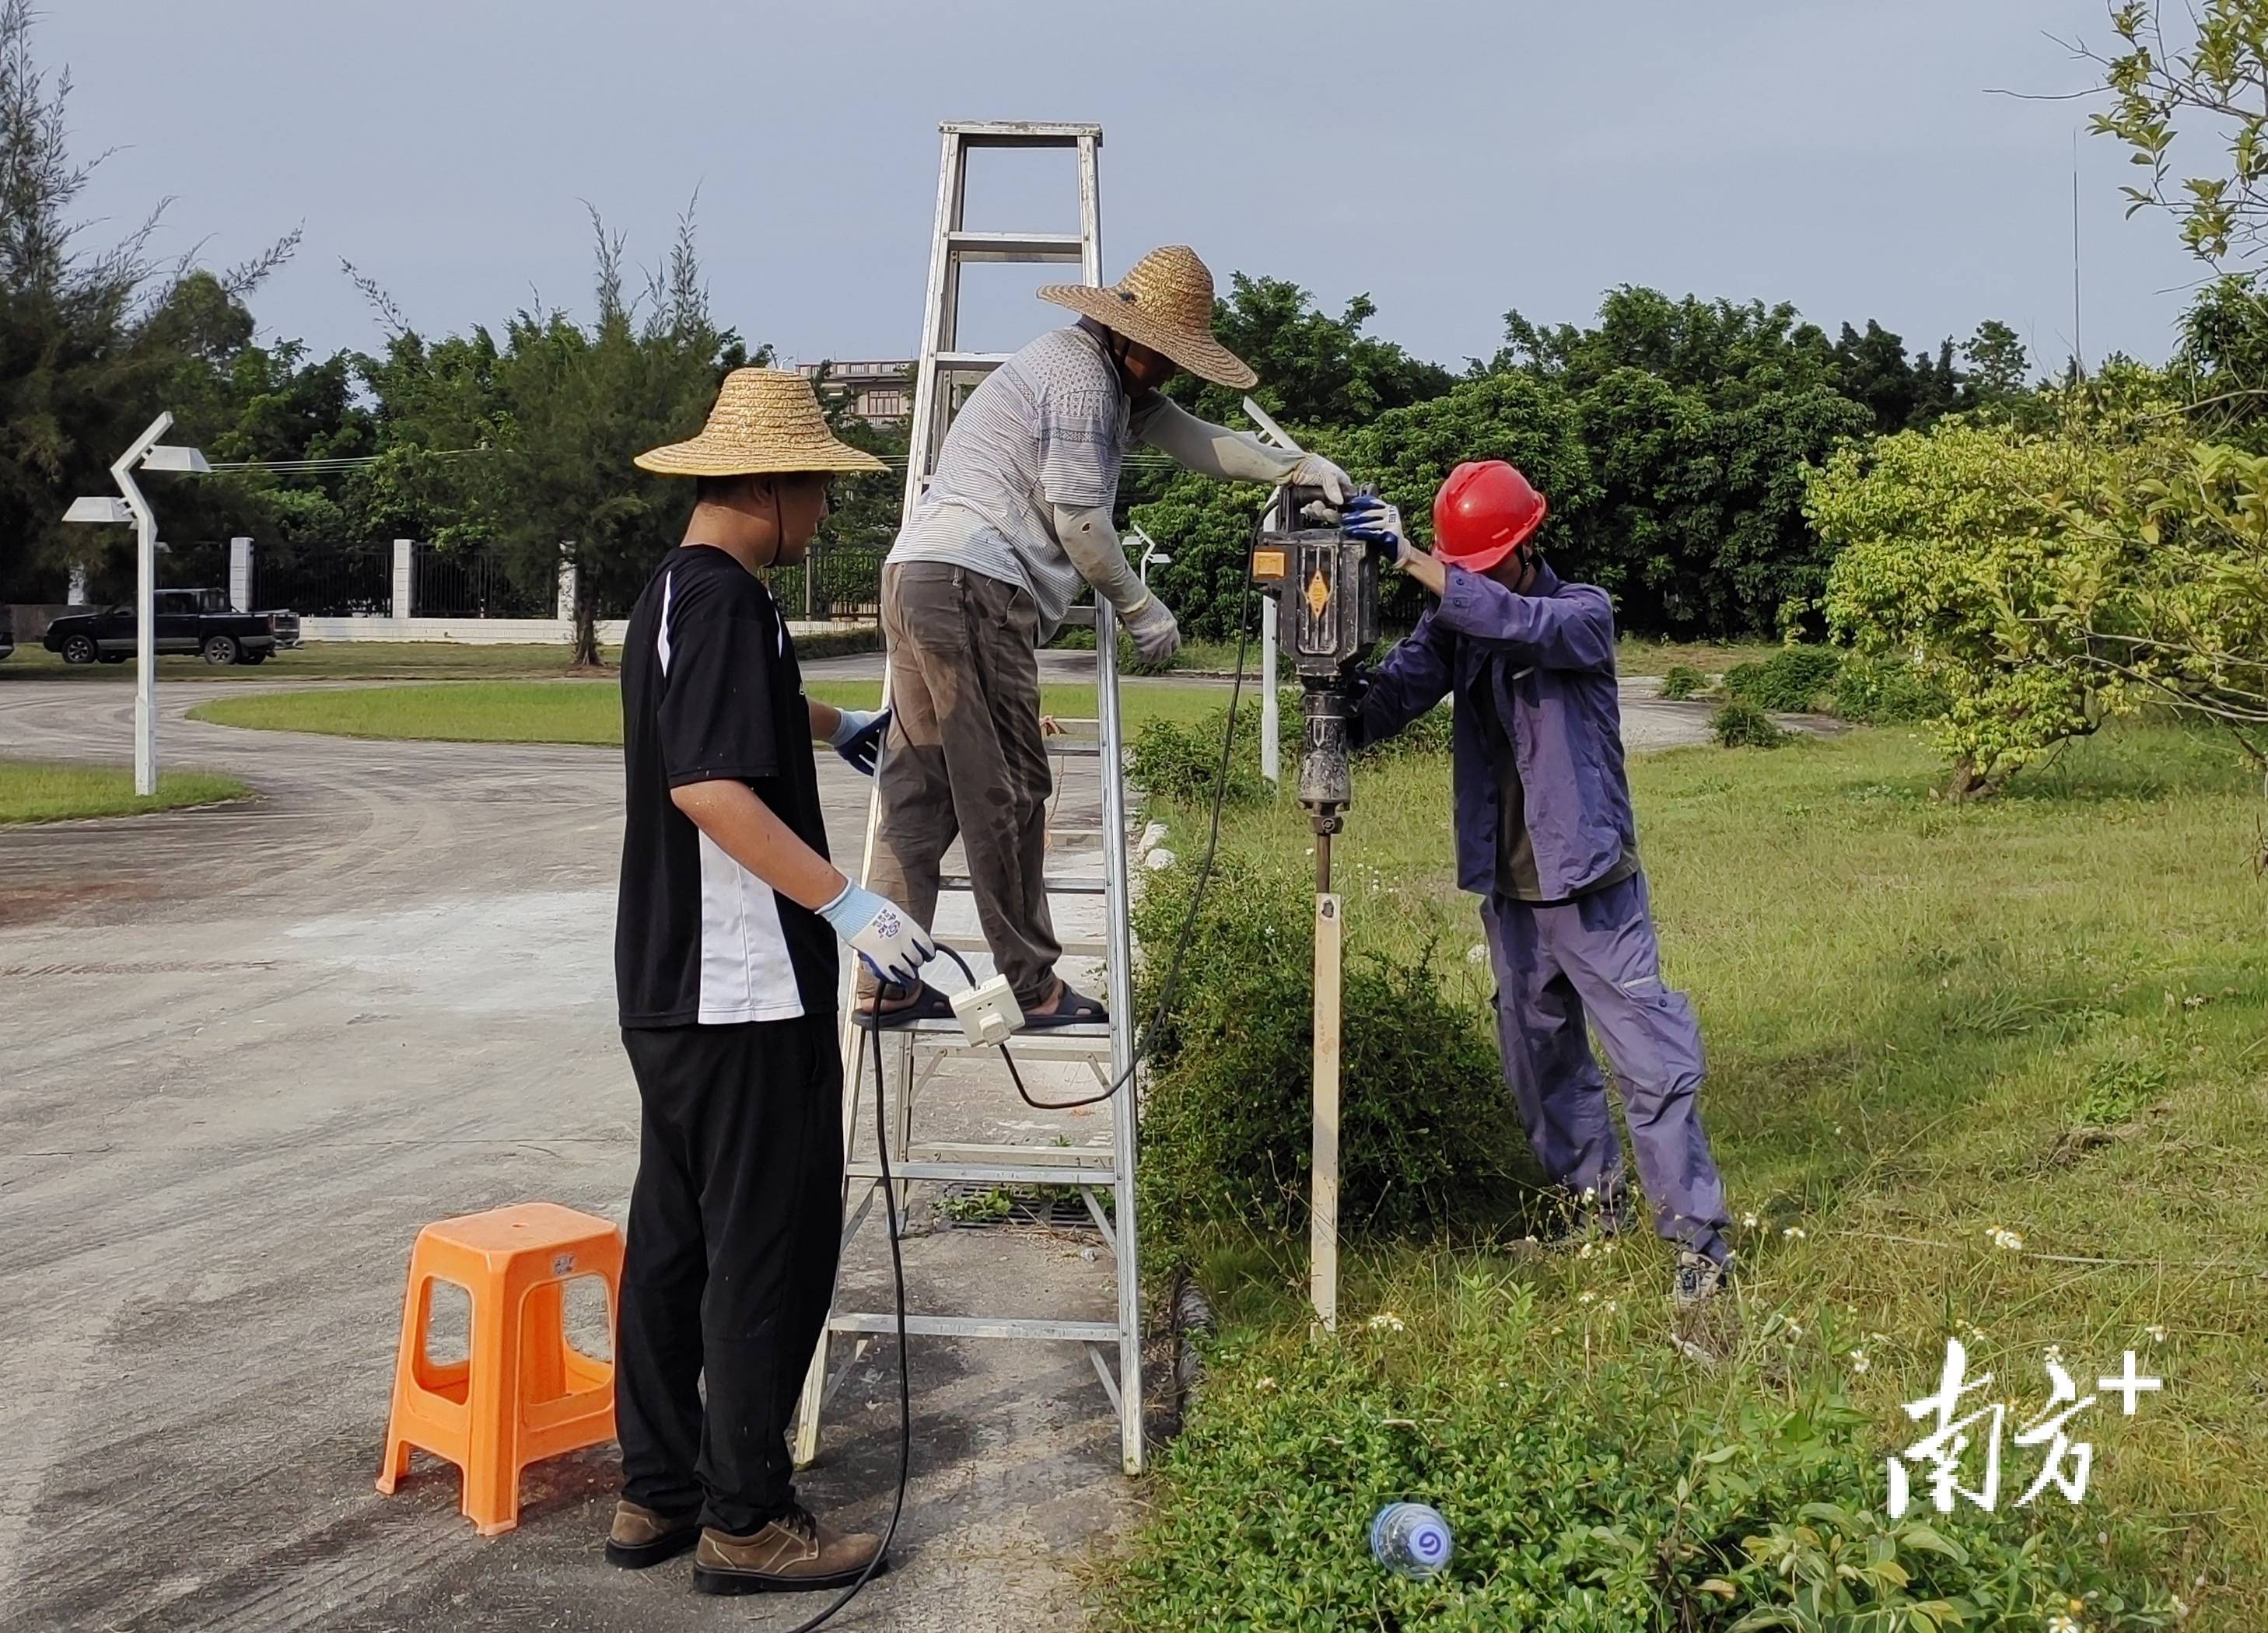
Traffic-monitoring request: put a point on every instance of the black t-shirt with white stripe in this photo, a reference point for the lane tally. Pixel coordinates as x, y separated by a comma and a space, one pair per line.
712, 691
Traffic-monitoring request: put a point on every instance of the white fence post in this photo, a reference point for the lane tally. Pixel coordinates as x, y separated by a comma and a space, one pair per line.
566, 610
239, 574
76, 594
404, 564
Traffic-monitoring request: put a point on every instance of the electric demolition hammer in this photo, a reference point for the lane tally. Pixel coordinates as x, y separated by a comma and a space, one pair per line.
1326, 589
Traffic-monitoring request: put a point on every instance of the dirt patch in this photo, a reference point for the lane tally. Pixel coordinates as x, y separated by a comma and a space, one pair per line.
28, 904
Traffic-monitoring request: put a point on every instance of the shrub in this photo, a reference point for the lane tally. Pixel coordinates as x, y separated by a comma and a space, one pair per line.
1591, 1485
1682, 681
1430, 733
2006, 563
1740, 724
1427, 1129
1790, 681
1175, 761
1889, 690
837, 643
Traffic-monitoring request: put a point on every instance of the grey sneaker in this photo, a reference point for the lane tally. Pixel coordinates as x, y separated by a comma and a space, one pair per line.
1699, 1278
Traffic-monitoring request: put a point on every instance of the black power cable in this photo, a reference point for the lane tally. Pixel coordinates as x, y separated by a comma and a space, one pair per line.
905, 1387
1172, 983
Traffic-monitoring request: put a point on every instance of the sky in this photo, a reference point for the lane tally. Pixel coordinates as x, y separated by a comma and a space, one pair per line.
1452, 158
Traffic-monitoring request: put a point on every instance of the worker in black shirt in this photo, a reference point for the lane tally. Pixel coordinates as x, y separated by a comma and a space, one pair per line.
726, 971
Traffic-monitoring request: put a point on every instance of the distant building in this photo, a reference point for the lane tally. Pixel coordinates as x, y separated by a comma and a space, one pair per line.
880, 391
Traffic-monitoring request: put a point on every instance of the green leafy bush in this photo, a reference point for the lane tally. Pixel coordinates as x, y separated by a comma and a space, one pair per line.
1889, 690
1682, 681
1175, 761
1790, 681
1591, 1485
1740, 724
1427, 1129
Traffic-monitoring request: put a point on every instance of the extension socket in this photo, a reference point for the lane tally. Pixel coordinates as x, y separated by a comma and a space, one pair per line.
989, 1013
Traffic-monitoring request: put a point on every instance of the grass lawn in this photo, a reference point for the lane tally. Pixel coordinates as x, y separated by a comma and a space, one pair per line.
34, 790
325, 660
1638, 655
541, 711
2044, 1015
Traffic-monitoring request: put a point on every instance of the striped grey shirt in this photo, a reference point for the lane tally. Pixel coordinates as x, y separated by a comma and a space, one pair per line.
1049, 427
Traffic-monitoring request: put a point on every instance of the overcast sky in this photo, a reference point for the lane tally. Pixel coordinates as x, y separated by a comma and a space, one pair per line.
1453, 157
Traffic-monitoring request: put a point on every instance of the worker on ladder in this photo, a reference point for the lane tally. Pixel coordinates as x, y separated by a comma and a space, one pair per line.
1018, 513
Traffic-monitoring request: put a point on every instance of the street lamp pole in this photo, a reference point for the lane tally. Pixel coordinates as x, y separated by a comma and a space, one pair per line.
145, 454
145, 606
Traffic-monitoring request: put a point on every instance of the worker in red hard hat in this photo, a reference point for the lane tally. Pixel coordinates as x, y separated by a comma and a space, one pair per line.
1545, 838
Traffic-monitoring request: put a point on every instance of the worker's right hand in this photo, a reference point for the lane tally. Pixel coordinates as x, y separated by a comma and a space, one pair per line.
1156, 635
881, 933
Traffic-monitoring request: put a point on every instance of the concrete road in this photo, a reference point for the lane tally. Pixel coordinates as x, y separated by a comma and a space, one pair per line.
246, 1052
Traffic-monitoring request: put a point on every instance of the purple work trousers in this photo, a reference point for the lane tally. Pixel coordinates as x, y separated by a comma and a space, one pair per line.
1597, 957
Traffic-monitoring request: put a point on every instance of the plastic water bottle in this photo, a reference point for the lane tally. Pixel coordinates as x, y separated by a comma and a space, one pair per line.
1411, 1540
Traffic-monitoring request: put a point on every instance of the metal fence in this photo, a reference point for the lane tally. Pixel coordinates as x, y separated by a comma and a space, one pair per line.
325, 580
471, 583
837, 582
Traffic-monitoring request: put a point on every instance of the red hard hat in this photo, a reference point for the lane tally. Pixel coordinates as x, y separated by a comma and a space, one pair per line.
1484, 513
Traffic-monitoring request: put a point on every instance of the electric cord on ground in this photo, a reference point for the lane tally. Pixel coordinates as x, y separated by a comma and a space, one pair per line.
905, 1383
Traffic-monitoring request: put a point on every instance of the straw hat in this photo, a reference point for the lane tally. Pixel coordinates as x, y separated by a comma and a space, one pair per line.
1165, 303
766, 421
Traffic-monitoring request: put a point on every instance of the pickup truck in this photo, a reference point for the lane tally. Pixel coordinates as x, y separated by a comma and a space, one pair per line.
188, 620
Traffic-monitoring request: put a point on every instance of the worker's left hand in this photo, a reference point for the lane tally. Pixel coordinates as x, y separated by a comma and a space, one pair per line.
1315, 471
1372, 520
858, 737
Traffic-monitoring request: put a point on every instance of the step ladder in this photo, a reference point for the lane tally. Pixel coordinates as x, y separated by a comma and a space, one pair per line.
944, 374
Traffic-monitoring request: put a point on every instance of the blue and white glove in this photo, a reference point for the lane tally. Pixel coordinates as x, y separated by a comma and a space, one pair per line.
881, 933
1372, 520
858, 737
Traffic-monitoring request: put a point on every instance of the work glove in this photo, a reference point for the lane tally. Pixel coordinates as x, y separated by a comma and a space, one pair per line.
1315, 471
859, 738
1156, 635
1378, 523
881, 933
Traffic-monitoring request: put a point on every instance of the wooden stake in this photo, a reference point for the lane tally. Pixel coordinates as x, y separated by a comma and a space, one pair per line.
1324, 1217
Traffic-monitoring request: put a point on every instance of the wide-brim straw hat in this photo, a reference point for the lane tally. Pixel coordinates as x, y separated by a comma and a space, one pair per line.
766, 422
1165, 303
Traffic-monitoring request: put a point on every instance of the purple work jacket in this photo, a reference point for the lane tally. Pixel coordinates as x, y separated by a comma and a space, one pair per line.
1556, 693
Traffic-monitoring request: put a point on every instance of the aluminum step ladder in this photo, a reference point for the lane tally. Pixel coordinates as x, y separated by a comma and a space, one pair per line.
944, 374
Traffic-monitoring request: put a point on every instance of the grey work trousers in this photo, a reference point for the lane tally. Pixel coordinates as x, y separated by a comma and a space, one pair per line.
964, 757
1595, 960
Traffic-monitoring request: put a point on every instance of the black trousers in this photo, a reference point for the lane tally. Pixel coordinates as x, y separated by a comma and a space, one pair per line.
733, 1236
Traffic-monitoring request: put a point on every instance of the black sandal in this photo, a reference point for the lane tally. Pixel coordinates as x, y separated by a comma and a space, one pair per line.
929, 1004
1074, 1009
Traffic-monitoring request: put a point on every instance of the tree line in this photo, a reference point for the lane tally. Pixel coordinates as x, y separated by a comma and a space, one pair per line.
1673, 436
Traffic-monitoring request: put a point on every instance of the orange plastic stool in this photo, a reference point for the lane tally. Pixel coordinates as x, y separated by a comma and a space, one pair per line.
526, 1393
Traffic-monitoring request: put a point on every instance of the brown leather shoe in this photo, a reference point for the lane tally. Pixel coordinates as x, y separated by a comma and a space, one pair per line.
794, 1553
640, 1537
